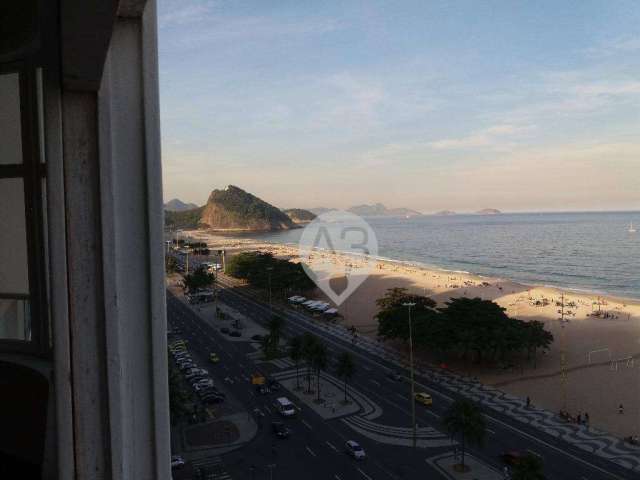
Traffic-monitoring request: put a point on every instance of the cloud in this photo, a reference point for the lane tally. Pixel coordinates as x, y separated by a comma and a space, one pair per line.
184, 13
497, 136
615, 46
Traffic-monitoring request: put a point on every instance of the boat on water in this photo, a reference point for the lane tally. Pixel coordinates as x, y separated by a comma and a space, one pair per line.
632, 228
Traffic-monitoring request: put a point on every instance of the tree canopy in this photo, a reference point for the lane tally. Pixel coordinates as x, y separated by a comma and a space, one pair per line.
260, 269
463, 326
199, 279
464, 418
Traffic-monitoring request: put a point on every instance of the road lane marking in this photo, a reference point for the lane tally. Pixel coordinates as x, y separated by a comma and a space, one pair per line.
491, 431
375, 382
311, 451
331, 339
403, 397
364, 474
268, 409
534, 453
306, 424
331, 446
552, 447
337, 477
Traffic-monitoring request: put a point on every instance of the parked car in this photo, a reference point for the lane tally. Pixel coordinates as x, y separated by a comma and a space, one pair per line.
354, 449
186, 365
280, 430
193, 372
512, 457
424, 398
177, 462
204, 381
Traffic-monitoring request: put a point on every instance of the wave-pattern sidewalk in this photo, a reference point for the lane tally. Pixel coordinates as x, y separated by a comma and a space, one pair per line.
588, 439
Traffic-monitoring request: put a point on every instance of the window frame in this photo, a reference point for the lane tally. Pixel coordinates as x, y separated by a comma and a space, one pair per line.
32, 171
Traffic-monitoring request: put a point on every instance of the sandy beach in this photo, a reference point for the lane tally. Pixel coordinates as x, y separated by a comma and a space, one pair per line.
601, 336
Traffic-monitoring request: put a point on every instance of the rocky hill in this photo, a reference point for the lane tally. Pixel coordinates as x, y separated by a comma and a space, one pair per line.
177, 205
233, 209
187, 219
298, 215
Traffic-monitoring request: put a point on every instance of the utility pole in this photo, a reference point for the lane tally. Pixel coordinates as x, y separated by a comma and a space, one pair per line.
563, 354
413, 391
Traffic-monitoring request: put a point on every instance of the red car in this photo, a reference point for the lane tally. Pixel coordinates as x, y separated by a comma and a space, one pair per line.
512, 457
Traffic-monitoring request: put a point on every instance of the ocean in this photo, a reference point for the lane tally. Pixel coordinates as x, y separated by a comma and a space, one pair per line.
592, 252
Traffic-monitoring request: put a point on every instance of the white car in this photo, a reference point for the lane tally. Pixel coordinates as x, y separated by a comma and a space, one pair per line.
355, 450
177, 461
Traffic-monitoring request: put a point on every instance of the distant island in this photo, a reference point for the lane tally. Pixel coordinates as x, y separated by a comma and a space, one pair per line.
445, 213
298, 215
177, 205
488, 211
320, 210
379, 210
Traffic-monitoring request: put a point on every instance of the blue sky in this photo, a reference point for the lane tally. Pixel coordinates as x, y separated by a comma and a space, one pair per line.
516, 105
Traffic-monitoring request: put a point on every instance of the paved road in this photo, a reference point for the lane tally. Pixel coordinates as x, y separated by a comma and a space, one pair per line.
315, 447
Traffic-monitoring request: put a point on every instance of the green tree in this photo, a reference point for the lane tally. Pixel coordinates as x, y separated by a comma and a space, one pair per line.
530, 467
170, 264
271, 342
345, 369
484, 319
393, 318
295, 352
536, 337
319, 362
199, 279
308, 351
178, 397
465, 418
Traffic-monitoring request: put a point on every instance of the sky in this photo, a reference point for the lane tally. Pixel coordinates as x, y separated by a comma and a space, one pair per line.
431, 105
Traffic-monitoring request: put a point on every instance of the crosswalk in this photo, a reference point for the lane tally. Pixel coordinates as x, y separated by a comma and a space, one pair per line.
282, 363
212, 468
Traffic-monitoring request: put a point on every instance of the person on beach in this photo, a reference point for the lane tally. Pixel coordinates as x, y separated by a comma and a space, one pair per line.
528, 402
620, 409
586, 418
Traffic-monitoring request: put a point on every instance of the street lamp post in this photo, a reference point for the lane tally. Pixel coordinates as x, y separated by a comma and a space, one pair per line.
413, 392
269, 270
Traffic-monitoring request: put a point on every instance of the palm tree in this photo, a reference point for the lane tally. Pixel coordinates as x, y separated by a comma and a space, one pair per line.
319, 363
273, 339
464, 417
345, 370
308, 350
295, 352
530, 467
